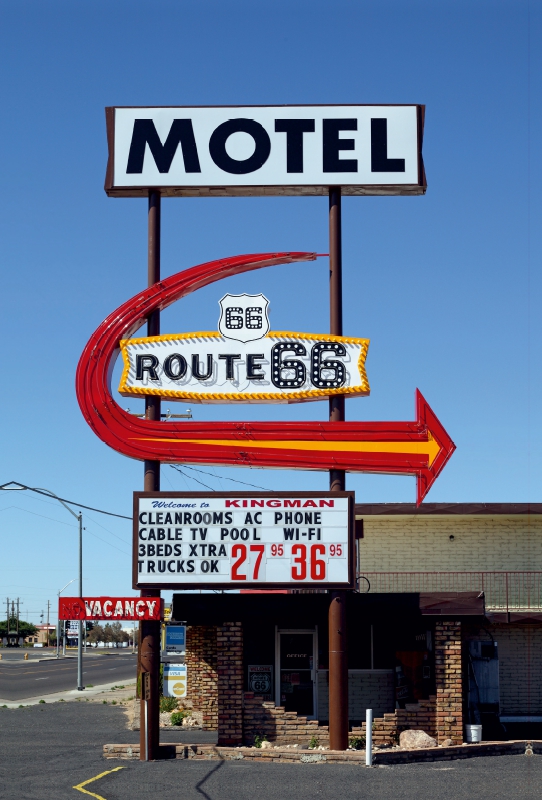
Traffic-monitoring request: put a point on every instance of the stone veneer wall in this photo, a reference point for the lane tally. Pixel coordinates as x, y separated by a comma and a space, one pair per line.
415, 716
241, 716
449, 682
262, 718
229, 639
201, 666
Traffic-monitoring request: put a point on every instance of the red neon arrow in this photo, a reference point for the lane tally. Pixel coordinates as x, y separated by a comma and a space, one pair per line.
419, 448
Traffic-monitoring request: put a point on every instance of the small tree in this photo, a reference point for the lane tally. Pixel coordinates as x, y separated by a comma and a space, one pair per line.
25, 628
96, 635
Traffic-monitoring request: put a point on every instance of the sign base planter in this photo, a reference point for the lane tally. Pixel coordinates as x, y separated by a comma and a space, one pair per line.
204, 752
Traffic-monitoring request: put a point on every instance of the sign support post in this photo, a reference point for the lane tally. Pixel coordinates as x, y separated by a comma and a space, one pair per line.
149, 632
338, 664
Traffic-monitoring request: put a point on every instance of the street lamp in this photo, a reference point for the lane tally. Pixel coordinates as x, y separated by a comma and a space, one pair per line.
79, 517
58, 625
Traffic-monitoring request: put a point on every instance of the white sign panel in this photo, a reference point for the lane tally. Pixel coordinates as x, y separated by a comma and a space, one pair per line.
244, 362
72, 629
184, 540
174, 684
265, 150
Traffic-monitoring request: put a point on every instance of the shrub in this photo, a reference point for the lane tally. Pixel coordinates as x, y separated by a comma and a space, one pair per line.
259, 739
177, 717
168, 704
42, 701
313, 743
357, 742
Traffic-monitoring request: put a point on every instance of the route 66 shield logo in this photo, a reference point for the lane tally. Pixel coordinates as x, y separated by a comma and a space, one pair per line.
244, 317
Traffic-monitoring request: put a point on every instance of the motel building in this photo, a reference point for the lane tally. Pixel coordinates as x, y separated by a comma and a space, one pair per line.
444, 630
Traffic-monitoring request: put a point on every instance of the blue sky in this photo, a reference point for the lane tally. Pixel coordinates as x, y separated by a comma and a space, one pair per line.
446, 286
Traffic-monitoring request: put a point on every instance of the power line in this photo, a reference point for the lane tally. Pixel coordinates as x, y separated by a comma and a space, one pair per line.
219, 477
16, 484
178, 469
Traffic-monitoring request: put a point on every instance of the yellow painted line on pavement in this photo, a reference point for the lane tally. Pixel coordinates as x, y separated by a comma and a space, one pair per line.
79, 786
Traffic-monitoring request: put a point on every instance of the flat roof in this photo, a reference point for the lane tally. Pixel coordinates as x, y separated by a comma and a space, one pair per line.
443, 509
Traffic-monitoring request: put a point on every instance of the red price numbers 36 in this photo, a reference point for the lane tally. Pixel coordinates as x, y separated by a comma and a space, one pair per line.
308, 562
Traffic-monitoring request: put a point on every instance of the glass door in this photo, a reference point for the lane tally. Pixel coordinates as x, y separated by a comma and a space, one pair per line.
295, 672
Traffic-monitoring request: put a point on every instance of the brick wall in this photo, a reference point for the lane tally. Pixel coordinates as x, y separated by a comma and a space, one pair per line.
416, 716
414, 544
366, 689
201, 665
262, 718
229, 640
448, 675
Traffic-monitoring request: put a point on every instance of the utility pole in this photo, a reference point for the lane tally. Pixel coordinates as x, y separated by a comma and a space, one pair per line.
149, 632
338, 665
48, 607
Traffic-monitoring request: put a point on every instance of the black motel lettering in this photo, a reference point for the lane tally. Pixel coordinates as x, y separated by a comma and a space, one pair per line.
333, 142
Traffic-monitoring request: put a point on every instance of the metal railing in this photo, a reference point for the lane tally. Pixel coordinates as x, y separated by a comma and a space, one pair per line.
504, 591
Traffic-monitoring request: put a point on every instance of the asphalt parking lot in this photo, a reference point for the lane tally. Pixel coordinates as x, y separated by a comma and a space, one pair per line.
47, 750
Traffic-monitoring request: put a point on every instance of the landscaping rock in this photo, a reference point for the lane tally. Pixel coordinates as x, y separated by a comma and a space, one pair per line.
414, 740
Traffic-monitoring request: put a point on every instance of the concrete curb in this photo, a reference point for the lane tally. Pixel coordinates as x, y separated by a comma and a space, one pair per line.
380, 758
71, 695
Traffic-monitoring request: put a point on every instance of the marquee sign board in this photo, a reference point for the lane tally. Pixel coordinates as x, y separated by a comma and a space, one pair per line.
244, 362
265, 150
193, 540
111, 608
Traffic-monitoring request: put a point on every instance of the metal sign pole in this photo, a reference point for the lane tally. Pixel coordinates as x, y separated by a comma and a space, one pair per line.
149, 649
338, 665
80, 637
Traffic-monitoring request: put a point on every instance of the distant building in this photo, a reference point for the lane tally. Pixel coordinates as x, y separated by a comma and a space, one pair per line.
41, 636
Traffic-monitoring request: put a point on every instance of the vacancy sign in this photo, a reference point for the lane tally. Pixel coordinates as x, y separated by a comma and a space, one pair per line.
265, 150
235, 540
110, 608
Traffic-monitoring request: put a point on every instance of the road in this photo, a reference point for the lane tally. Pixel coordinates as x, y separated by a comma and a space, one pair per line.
47, 750
23, 679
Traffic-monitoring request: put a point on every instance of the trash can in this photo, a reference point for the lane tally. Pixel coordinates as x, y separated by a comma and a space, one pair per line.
473, 733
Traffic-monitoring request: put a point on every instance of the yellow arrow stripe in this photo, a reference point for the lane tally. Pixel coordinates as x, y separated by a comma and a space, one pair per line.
79, 786
430, 448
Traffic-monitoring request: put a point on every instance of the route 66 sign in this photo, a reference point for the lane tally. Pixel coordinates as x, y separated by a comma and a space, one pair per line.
260, 680
244, 317
244, 361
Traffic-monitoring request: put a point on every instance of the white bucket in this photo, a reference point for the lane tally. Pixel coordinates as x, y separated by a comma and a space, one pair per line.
474, 733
